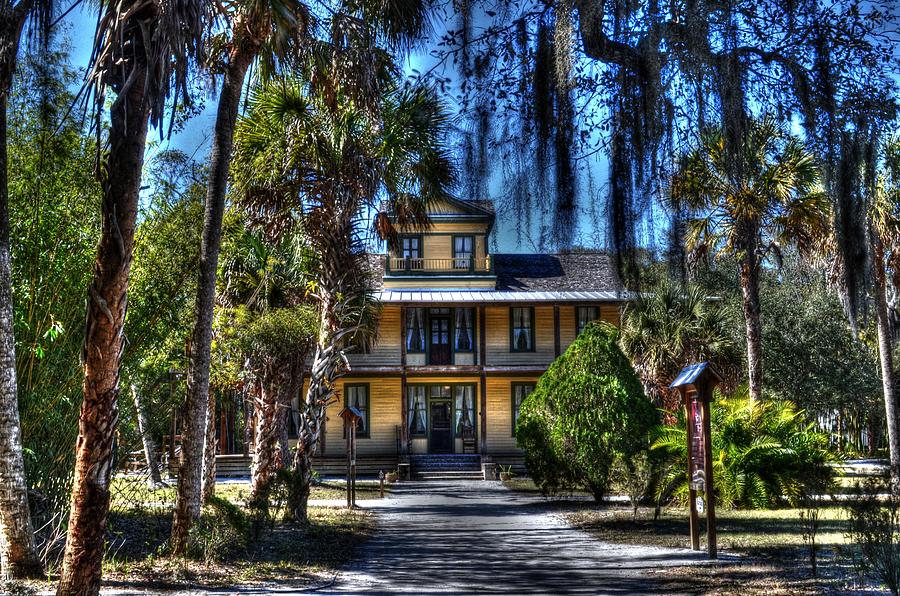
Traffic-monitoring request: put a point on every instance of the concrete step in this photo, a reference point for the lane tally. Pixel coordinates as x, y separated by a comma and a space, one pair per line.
448, 475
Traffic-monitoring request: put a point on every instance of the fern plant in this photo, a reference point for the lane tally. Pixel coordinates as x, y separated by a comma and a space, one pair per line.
762, 451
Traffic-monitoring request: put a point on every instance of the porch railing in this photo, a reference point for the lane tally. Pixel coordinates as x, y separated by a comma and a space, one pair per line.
449, 265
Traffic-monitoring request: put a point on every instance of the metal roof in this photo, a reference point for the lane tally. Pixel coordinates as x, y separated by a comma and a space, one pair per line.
487, 295
689, 374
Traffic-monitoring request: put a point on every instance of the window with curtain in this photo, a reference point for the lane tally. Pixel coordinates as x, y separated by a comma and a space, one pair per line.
415, 329
465, 410
462, 251
522, 326
410, 247
357, 396
587, 314
465, 332
519, 392
415, 410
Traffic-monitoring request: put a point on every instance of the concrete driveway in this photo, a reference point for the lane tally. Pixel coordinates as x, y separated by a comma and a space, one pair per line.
467, 537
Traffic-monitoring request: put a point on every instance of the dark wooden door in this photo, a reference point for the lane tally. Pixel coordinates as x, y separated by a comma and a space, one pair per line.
441, 427
439, 351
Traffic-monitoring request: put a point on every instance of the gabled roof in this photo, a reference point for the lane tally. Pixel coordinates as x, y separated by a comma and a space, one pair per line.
565, 272
689, 374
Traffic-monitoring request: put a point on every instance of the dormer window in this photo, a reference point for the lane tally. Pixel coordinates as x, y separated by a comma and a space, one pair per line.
462, 251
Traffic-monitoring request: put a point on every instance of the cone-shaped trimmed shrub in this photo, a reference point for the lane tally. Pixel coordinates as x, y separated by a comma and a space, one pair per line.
587, 410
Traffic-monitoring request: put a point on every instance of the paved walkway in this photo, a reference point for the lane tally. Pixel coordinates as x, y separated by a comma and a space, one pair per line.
468, 537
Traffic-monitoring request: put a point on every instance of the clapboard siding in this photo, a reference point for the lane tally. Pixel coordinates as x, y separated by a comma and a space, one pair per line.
498, 352
386, 349
500, 437
568, 323
437, 247
384, 418
611, 313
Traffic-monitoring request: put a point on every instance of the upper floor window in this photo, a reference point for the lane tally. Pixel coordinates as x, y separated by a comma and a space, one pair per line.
411, 247
357, 396
522, 329
415, 329
415, 410
587, 314
464, 332
519, 392
462, 251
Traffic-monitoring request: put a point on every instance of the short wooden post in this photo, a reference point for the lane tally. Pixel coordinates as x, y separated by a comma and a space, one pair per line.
692, 493
351, 417
710, 494
381, 483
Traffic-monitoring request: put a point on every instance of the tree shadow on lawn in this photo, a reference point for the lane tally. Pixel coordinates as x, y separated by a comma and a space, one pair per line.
283, 553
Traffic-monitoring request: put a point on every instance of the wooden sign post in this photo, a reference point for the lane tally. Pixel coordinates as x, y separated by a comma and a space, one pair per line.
695, 383
351, 417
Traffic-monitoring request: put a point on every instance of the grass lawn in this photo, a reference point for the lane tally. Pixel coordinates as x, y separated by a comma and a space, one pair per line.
140, 521
761, 551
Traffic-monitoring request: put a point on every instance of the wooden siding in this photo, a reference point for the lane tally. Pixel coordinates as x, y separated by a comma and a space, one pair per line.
386, 349
500, 439
611, 313
498, 352
437, 246
568, 323
384, 418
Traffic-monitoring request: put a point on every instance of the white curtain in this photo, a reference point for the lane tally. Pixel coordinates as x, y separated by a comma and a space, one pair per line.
465, 408
415, 329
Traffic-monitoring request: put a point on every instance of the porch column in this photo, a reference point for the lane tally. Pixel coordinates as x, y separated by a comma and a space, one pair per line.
404, 430
482, 343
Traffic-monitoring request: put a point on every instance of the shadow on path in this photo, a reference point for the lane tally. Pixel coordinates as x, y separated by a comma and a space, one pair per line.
467, 537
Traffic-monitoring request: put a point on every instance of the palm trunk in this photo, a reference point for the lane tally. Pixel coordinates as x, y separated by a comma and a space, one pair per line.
266, 412
208, 489
187, 507
751, 308
104, 341
143, 424
18, 557
885, 356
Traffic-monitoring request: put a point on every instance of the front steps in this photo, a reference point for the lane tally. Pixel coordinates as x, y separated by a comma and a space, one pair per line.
446, 467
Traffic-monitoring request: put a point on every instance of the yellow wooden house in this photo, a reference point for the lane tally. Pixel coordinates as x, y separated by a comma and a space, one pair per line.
463, 336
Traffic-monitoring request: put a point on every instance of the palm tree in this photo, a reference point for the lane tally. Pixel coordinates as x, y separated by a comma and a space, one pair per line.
143, 54
274, 327
331, 162
771, 199
266, 31
884, 243
670, 327
273, 28
18, 557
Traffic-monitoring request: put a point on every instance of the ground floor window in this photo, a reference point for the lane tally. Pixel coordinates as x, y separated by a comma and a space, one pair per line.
357, 396
519, 392
465, 410
416, 410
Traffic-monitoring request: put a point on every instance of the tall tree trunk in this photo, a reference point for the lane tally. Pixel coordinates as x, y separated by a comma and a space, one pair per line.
156, 480
105, 339
885, 356
751, 308
187, 506
18, 557
208, 489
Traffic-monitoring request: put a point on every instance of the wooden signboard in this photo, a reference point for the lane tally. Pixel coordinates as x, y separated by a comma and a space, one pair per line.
695, 383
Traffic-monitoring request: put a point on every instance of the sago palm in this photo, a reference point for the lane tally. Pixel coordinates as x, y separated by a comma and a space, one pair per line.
771, 199
328, 163
670, 327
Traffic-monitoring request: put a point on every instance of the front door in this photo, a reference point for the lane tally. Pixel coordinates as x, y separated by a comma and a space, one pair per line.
441, 428
439, 351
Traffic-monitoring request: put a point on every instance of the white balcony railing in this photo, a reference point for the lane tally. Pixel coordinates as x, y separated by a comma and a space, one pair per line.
449, 265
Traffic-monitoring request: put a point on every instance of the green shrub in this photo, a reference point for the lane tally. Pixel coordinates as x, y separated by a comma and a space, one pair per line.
221, 533
875, 531
761, 451
587, 411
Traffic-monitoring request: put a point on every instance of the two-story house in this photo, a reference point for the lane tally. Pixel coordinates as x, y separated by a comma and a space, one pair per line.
463, 337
